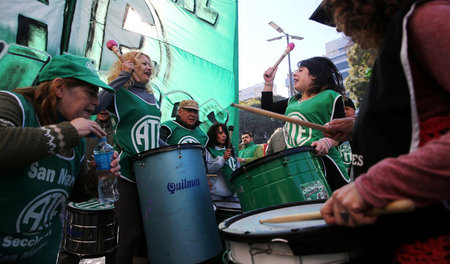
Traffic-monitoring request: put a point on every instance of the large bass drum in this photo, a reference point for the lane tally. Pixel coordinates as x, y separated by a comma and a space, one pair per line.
177, 210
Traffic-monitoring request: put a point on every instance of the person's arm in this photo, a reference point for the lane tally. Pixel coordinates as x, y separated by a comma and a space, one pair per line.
422, 176
268, 104
106, 99
256, 155
29, 143
214, 164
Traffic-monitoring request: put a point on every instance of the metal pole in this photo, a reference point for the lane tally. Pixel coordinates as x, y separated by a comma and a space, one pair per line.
291, 90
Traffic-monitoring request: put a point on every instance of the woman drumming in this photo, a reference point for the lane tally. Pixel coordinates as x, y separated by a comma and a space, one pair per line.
137, 131
319, 100
42, 157
402, 132
221, 161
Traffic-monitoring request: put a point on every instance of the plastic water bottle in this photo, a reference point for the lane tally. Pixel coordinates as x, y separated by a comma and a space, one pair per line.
107, 186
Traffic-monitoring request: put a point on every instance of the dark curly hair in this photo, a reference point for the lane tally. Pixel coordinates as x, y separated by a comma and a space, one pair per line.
212, 134
326, 73
365, 22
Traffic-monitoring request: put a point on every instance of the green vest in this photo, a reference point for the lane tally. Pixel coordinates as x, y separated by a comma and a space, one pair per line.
231, 165
137, 128
182, 135
318, 110
346, 154
32, 198
248, 151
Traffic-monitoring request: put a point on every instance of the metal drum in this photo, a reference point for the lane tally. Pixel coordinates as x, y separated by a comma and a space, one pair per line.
248, 241
226, 209
179, 221
290, 175
91, 229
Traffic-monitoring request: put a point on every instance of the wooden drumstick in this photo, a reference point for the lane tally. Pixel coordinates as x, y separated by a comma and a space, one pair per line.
400, 206
280, 117
288, 49
230, 133
112, 46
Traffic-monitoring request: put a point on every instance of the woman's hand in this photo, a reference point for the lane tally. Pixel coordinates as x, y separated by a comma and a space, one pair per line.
347, 207
115, 166
269, 76
227, 154
321, 147
86, 127
128, 66
340, 129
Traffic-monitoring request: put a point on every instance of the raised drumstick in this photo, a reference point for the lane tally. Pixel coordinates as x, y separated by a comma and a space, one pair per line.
288, 49
280, 117
112, 46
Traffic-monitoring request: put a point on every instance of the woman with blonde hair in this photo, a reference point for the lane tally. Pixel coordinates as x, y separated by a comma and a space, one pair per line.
137, 113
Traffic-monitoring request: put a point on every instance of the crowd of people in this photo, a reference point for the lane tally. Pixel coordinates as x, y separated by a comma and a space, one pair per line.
394, 149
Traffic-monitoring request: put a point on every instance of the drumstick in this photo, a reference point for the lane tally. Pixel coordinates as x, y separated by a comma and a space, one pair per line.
112, 46
230, 133
288, 49
280, 117
400, 206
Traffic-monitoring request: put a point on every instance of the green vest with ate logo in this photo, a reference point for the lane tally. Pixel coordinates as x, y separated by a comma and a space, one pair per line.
182, 135
32, 198
137, 128
318, 110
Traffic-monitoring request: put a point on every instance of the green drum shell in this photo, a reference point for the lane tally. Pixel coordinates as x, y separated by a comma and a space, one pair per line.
290, 175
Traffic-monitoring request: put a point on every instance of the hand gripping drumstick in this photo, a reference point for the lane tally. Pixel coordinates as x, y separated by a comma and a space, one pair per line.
280, 117
230, 133
400, 206
112, 46
288, 49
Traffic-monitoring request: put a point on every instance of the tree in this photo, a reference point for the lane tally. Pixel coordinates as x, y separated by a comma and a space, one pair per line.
261, 127
360, 61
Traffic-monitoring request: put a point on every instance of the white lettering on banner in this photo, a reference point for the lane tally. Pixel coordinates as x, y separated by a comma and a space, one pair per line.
188, 139
37, 214
145, 133
41, 173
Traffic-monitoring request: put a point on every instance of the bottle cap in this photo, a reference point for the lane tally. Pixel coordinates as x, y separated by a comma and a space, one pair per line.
102, 139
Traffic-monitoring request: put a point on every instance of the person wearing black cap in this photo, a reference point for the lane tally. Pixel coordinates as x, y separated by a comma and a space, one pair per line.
401, 135
43, 155
184, 129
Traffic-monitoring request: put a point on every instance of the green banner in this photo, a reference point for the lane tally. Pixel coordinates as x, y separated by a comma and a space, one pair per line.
192, 43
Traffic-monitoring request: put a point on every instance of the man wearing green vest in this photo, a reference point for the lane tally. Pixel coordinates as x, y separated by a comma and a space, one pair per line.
250, 150
184, 129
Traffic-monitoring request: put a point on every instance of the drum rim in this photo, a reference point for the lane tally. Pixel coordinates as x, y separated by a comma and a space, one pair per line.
142, 155
268, 158
266, 236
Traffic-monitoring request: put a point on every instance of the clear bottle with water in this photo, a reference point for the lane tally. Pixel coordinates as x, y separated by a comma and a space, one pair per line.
107, 186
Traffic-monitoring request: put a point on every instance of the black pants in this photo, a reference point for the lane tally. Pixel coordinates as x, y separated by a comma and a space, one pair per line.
131, 229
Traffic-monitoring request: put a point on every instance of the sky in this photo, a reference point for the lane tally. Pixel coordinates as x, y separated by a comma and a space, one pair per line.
256, 54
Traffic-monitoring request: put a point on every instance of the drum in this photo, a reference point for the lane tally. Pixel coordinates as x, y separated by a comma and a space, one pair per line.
290, 175
226, 209
90, 229
179, 221
248, 241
